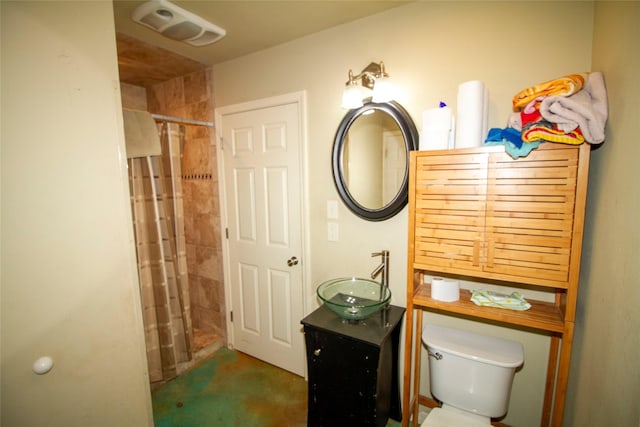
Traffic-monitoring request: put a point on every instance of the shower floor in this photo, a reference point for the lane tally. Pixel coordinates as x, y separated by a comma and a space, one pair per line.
203, 339
205, 344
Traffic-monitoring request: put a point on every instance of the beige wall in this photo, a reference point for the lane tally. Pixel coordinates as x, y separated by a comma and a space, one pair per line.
604, 386
428, 54
69, 283
429, 48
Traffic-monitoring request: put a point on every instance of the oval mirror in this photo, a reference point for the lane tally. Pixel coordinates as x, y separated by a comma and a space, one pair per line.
370, 159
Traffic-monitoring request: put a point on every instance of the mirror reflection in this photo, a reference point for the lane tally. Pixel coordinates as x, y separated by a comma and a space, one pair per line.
374, 159
371, 159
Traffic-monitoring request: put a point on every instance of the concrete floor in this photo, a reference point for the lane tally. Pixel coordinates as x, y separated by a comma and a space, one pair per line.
233, 389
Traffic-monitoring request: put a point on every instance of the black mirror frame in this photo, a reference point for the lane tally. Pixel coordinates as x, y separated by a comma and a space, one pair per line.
410, 135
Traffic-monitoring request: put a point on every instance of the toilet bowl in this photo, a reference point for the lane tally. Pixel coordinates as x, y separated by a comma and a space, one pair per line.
470, 374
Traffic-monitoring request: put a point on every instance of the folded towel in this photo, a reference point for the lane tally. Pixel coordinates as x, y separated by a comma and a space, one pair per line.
513, 150
563, 86
546, 131
510, 134
515, 301
530, 114
141, 134
536, 128
586, 109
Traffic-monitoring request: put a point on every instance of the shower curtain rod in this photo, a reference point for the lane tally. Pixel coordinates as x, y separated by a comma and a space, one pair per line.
183, 121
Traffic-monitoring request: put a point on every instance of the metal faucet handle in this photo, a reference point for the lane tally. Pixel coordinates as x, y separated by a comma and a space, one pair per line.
382, 253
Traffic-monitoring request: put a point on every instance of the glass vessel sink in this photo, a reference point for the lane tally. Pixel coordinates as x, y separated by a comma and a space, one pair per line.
353, 298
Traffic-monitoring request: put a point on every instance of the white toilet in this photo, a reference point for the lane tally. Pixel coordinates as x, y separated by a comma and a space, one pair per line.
470, 374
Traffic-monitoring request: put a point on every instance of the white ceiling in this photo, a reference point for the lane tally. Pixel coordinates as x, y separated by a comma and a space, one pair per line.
251, 25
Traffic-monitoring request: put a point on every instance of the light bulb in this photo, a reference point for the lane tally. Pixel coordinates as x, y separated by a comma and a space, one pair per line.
383, 90
352, 97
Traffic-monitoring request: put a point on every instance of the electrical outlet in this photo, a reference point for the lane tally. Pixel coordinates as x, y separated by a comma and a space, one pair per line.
332, 231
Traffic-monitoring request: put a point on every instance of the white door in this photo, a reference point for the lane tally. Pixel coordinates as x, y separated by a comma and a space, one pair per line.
262, 186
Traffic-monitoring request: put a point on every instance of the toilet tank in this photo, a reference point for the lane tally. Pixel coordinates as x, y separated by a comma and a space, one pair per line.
470, 371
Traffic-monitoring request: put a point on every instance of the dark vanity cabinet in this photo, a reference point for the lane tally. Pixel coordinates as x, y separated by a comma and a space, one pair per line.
353, 368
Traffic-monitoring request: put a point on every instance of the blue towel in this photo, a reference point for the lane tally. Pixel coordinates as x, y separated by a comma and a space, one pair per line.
512, 141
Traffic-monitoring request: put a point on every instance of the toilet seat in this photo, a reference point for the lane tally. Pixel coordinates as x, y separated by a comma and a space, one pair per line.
439, 417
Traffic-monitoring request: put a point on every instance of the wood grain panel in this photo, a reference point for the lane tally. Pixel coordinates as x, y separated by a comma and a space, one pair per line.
531, 239
449, 210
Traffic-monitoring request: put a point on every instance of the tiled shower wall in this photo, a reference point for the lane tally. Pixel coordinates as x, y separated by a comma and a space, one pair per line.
190, 97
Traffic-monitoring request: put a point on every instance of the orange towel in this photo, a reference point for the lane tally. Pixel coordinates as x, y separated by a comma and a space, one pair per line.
542, 132
563, 86
587, 110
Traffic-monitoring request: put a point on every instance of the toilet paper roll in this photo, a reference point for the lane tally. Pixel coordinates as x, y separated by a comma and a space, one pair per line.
437, 129
445, 290
471, 114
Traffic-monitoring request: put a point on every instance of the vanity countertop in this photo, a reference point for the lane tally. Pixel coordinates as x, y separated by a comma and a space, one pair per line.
369, 330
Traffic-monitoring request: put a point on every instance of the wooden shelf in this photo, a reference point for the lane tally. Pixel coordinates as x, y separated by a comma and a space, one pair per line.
542, 315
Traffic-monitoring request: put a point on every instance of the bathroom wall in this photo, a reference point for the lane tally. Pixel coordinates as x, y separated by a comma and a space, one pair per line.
427, 55
190, 97
69, 281
428, 49
604, 384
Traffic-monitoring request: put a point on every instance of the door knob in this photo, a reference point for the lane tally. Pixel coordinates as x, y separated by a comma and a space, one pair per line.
292, 261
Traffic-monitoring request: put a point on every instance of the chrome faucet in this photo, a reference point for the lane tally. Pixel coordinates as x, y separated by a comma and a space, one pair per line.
382, 268
384, 283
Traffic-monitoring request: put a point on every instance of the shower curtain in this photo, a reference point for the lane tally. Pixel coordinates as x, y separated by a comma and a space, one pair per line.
156, 202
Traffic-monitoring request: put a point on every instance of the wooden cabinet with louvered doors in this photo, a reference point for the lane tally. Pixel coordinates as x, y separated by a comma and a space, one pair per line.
482, 216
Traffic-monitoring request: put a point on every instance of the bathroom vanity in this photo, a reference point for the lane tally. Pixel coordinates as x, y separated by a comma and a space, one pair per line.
353, 368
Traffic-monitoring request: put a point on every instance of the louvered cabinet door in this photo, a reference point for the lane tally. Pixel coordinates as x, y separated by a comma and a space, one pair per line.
449, 194
530, 214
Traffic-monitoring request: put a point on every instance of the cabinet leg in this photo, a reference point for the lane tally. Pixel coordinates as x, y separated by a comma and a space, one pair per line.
563, 375
550, 385
416, 372
408, 351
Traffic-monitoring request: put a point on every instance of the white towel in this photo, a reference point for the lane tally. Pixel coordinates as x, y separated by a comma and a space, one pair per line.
141, 134
586, 109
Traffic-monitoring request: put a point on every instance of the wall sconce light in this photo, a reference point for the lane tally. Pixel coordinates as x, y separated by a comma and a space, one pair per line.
374, 83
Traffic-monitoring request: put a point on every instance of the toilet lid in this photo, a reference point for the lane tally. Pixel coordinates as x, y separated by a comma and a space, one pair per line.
439, 417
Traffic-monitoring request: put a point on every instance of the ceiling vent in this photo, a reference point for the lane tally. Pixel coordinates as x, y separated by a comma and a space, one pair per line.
176, 23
